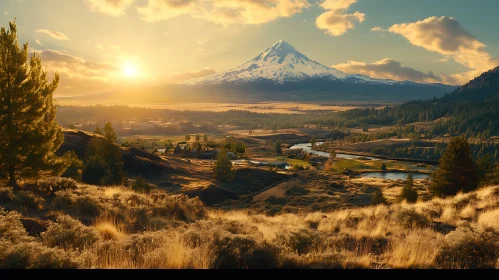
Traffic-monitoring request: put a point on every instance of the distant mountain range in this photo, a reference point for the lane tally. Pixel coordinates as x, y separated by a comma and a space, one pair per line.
281, 73
281, 68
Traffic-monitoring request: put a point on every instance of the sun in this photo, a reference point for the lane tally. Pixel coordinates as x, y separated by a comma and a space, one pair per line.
129, 70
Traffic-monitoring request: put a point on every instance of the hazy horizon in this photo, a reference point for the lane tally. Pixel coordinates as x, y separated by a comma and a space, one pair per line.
101, 45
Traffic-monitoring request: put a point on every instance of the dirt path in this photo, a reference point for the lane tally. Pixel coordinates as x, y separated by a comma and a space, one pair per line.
277, 191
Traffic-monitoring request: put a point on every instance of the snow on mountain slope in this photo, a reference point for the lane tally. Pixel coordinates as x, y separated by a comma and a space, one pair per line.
282, 63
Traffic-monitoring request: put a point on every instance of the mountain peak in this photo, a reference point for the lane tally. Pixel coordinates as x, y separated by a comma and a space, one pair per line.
282, 49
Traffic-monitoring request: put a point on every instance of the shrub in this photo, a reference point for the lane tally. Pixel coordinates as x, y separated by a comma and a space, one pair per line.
28, 200
409, 194
6, 195
378, 197
52, 185
94, 171
141, 185
11, 228
383, 167
68, 233
243, 252
75, 166
469, 248
87, 207
301, 242
33, 255
411, 219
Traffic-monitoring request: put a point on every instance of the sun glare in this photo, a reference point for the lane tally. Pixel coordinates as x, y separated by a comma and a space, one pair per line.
129, 70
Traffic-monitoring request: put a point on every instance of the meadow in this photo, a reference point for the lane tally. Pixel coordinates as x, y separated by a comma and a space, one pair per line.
73, 225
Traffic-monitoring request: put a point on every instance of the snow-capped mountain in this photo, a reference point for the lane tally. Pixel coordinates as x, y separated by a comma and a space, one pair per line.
280, 64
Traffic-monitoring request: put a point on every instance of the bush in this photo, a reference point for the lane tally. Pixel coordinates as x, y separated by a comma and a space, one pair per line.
52, 185
244, 253
411, 219
68, 233
94, 171
33, 255
11, 228
378, 197
75, 166
6, 195
87, 207
469, 248
301, 242
409, 194
141, 185
28, 200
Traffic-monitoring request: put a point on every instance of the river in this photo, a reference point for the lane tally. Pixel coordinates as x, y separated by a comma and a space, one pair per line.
383, 175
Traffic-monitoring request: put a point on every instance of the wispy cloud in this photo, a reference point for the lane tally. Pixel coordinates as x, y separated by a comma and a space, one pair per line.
100, 47
111, 7
224, 12
5, 12
378, 29
54, 34
448, 37
39, 42
388, 69
336, 21
114, 47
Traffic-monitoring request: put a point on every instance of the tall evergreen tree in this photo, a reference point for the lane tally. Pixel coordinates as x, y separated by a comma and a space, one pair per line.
457, 170
223, 168
29, 133
278, 148
104, 163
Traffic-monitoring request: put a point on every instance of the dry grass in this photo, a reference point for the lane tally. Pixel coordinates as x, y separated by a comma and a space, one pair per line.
123, 229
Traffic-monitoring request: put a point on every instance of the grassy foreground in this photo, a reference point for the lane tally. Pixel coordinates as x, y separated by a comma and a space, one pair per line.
81, 226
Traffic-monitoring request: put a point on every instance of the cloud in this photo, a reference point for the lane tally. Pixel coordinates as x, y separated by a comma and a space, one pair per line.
80, 76
114, 47
5, 12
224, 12
336, 21
389, 69
448, 37
100, 47
184, 76
54, 34
39, 42
378, 29
111, 7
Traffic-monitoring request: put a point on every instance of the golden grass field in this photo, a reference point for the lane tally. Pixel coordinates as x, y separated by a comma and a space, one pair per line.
96, 227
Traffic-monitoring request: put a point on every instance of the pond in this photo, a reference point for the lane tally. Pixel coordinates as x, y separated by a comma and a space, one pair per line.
394, 175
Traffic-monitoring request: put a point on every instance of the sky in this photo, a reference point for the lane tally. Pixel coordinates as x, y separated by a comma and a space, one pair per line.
103, 45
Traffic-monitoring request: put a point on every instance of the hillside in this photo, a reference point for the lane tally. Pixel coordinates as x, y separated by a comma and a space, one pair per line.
484, 87
81, 226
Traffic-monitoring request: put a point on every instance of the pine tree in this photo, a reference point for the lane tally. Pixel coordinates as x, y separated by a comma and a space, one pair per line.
408, 192
205, 138
187, 137
457, 170
378, 197
29, 133
97, 130
198, 138
223, 167
104, 163
278, 148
